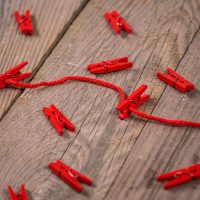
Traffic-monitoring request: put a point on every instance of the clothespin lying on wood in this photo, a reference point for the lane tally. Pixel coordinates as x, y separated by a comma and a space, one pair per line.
69, 175
21, 196
14, 74
135, 100
181, 176
175, 80
58, 120
24, 22
108, 66
117, 22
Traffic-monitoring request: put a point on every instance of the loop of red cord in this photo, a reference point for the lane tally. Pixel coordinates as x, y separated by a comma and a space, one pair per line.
104, 84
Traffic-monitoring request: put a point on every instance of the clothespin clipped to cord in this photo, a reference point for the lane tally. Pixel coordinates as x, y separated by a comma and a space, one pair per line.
135, 100
117, 22
69, 175
181, 176
21, 196
175, 80
15, 74
58, 120
108, 66
25, 23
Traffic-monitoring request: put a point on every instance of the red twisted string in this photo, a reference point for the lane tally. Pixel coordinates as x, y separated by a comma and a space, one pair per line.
68, 78
165, 121
104, 84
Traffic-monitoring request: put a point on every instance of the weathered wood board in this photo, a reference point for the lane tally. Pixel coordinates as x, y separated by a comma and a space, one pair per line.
50, 20
161, 148
103, 147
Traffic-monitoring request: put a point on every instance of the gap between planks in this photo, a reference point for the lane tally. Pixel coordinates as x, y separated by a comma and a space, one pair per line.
48, 53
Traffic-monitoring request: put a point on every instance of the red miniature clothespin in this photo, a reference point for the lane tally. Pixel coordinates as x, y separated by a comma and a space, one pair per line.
107, 66
21, 196
175, 80
69, 175
24, 22
15, 74
135, 100
58, 120
117, 22
181, 176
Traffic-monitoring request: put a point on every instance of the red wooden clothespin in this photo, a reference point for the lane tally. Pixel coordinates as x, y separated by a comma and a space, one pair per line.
14, 74
69, 175
135, 100
24, 22
58, 120
21, 196
181, 176
117, 22
175, 80
107, 66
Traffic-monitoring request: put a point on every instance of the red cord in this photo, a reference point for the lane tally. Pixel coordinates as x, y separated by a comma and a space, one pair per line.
104, 84
68, 78
163, 120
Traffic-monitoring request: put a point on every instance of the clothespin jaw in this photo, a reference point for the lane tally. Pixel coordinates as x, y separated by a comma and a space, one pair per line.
58, 120
180, 176
21, 196
108, 66
134, 101
24, 22
69, 175
14, 74
175, 80
117, 22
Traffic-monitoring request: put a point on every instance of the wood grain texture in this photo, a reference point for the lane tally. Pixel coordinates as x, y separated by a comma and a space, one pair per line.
163, 148
102, 143
50, 20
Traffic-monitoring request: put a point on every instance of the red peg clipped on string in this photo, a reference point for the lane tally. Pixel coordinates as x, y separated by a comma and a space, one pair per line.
180, 176
58, 120
21, 196
72, 177
13, 74
25, 23
135, 100
108, 66
117, 22
175, 80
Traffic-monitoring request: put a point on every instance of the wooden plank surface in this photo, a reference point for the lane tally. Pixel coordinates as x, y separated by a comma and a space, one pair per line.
161, 148
163, 32
50, 20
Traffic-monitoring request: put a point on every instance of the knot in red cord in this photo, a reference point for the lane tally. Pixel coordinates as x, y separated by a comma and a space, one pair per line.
3, 79
13, 74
